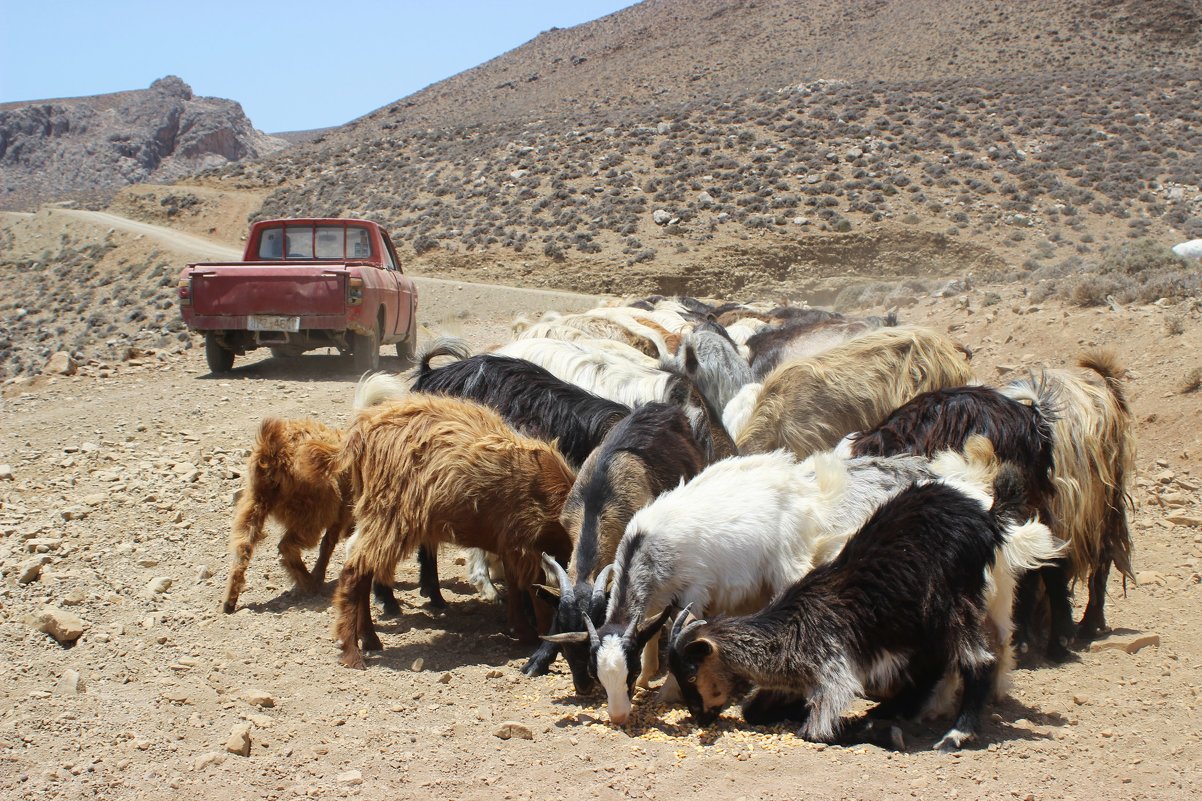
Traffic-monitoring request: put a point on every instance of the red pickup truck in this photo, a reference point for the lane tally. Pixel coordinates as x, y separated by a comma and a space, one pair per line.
304, 284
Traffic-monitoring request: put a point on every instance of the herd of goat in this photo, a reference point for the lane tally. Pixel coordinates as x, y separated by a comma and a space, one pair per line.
814, 508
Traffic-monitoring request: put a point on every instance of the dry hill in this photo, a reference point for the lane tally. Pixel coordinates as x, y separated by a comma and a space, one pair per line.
732, 146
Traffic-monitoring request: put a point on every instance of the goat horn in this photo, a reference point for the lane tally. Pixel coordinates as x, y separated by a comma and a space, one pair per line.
594, 640
684, 617
601, 586
555, 569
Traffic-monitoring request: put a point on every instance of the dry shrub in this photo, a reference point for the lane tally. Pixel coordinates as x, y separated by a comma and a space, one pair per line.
1174, 325
1192, 382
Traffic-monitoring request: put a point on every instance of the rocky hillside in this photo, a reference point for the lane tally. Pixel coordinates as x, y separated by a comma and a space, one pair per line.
91, 146
710, 146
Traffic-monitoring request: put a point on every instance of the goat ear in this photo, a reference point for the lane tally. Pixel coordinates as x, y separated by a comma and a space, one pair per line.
567, 637
700, 648
648, 631
548, 594
691, 365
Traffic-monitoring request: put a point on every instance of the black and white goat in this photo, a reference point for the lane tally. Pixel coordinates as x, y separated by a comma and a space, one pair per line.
740, 532
905, 603
648, 453
1019, 426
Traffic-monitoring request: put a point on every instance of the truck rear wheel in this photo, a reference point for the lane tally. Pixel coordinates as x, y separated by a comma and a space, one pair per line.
366, 350
219, 358
406, 350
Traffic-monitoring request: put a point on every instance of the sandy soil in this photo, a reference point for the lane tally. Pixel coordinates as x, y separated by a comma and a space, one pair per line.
121, 483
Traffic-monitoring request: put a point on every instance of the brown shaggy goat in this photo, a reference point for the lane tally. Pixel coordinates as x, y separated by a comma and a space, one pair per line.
431, 469
807, 406
287, 482
1093, 448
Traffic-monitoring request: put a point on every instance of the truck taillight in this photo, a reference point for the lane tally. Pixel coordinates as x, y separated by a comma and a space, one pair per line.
354, 291
185, 291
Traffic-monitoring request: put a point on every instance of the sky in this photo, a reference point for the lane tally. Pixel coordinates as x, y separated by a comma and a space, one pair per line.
293, 65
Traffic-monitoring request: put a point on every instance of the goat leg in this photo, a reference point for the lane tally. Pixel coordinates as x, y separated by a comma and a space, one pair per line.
540, 661
769, 707
386, 598
294, 563
427, 562
1060, 607
354, 585
1093, 622
977, 675
1026, 609
325, 550
247, 532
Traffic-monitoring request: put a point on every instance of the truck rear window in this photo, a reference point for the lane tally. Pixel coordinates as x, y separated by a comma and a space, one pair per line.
314, 242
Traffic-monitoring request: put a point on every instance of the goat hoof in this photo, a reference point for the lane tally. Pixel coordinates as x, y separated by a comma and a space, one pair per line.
1059, 654
372, 643
354, 662
435, 602
534, 667
952, 741
896, 739
229, 606
392, 609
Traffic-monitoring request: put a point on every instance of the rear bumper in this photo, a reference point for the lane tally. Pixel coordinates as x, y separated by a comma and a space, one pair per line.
237, 322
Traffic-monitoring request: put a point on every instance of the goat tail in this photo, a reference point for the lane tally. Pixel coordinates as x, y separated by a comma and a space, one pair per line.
1105, 363
271, 443
455, 347
1029, 546
377, 388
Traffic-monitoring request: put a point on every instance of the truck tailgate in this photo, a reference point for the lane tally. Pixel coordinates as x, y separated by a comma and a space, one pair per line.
239, 290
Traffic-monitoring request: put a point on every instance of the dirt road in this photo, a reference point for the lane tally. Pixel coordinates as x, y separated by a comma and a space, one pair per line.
117, 512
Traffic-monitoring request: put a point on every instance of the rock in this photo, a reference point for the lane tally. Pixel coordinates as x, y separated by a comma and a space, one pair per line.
416, 667
1193, 521
159, 585
1080, 699
1006, 368
42, 544
1165, 477
209, 758
853, 153
258, 698
60, 363
664, 127
61, 625
203, 573
239, 741
493, 674
69, 683
1130, 645
954, 287
350, 777
445, 678
511, 729
705, 199
29, 570
660, 217
75, 513
6, 472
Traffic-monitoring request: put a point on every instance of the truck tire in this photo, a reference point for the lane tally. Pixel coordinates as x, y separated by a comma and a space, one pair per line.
219, 358
366, 350
406, 350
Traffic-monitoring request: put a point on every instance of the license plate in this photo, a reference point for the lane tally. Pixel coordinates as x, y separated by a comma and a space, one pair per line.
272, 322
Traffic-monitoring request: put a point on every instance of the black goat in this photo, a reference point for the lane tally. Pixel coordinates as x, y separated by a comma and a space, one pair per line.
648, 453
530, 399
1020, 429
904, 603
